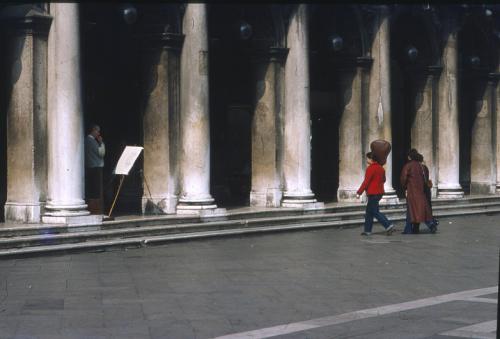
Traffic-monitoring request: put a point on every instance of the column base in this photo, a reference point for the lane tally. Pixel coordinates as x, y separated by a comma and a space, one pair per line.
75, 214
389, 198
23, 212
90, 219
304, 200
450, 193
268, 198
347, 195
159, 205
482, 188
196, 205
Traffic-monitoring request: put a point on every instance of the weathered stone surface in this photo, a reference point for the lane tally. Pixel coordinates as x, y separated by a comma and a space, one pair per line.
266, 134
26, 112
379, 101
350, 139
448, 139
161, 125
483, 176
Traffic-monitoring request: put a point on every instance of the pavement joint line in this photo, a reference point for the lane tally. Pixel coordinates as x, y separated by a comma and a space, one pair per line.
484, 330
358, 315
482, 300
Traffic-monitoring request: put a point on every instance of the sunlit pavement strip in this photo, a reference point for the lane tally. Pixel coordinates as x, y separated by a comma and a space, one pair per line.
484, 330
362, 314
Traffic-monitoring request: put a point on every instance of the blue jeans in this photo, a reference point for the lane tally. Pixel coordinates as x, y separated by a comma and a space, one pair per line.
408, 226
372, 210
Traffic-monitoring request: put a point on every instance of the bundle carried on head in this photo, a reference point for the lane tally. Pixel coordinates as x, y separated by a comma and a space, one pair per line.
381, 149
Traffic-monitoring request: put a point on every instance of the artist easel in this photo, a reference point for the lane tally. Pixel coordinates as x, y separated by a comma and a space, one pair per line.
123, 167
122, 177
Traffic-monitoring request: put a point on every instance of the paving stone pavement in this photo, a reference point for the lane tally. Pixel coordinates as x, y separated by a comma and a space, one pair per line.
216, 287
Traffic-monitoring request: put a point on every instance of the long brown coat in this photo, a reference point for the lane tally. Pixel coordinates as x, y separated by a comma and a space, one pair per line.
412, 180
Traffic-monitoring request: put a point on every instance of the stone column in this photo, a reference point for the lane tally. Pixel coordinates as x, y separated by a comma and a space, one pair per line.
26, 48
423, 129
379, 114
496, 134
483, 172
66, 192
297, 123
194, 154
161, 122
266, 129
448, 132
351, 157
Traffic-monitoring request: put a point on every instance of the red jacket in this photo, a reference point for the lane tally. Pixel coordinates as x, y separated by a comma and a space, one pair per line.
374, 180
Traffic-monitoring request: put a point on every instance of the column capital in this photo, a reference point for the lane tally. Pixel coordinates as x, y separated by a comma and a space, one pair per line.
156, 41
273, 54
493, 78
364, 62
26, 20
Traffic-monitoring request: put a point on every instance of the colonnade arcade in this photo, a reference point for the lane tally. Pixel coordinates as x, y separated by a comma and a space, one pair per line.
260, 105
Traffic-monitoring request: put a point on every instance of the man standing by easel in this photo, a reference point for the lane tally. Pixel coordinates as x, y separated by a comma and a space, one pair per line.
94, 163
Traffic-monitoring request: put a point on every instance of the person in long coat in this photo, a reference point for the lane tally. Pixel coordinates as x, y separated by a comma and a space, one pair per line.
413, 179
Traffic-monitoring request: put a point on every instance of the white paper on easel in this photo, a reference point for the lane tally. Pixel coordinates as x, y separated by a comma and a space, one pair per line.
127, 159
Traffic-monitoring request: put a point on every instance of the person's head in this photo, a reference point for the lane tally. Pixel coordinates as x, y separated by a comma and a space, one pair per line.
414, 155
95, 130
371, 158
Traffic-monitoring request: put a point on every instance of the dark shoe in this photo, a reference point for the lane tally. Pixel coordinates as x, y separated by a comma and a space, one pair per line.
366, 233
389, 230
416, 229
434, 229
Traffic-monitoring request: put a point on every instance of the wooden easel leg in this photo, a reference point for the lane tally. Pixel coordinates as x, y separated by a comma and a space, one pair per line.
116, 196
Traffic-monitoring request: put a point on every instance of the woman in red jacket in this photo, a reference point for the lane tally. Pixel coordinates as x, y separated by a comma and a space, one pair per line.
374, 187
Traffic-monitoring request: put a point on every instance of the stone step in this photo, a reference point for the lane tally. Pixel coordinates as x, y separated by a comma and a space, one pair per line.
76, 234
100, 240
337, 211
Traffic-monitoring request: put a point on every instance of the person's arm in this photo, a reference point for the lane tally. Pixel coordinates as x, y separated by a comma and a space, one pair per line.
368, 178
101, 150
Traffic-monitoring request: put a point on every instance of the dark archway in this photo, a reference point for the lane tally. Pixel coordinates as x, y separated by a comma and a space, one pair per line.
332, 69
413, 50
112, 91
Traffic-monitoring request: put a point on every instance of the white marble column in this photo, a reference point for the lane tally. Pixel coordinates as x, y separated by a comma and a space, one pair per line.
351, 157
161, 122
483, 172
297, 124
266, 129
26, 54
66, 192
379, 112
496, 123
194, 154
423, 129
448, 131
